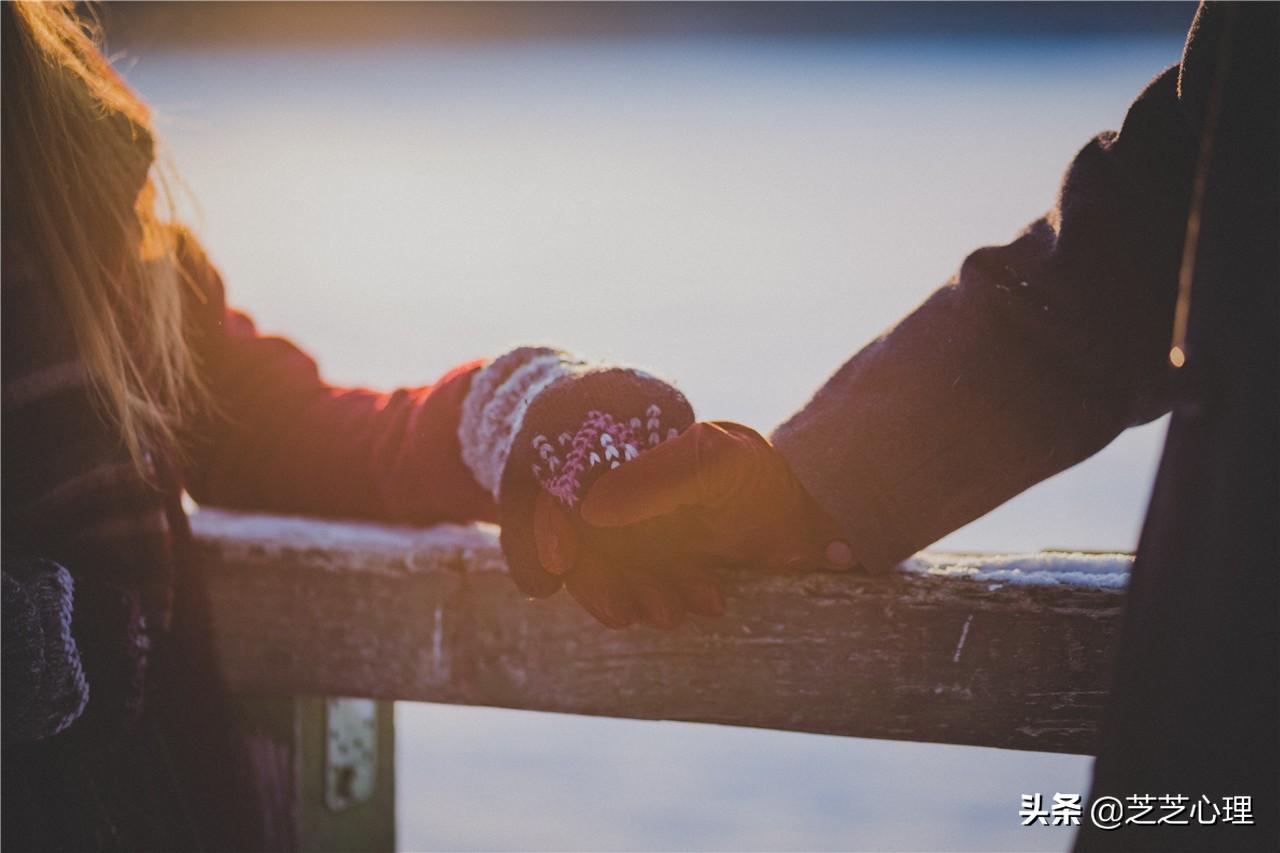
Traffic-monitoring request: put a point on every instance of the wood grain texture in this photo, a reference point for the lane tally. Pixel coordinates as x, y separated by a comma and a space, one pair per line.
335, 608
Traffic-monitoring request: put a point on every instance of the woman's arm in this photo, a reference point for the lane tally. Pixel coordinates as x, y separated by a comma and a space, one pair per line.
517, 440
278, 438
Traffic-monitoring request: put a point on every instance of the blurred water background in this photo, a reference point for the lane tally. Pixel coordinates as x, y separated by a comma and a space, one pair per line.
736, 198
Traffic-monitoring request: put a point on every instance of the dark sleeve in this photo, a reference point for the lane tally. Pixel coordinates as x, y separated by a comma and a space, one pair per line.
1032, 358
44, 685
276, 437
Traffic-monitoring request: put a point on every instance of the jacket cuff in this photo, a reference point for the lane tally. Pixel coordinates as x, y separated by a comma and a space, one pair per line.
44, 685
847, 490
570, 419
494, 409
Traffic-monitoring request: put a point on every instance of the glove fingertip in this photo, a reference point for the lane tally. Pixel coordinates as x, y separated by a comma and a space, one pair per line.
607, 598
665, 620
703, 596
609, 610
839, 555
658, 609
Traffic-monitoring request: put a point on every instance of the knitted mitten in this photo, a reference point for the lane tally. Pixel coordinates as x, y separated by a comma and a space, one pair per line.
537, 420
44, 684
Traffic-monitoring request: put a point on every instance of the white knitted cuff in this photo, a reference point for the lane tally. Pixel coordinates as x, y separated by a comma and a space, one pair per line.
494, 408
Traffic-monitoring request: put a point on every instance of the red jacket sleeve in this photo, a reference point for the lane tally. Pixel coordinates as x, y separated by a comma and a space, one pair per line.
276, 437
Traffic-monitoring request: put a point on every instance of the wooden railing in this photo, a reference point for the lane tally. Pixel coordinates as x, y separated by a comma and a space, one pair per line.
956, 651
997, 651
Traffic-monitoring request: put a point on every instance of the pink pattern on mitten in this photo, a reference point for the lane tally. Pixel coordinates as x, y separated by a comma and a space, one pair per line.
601, 443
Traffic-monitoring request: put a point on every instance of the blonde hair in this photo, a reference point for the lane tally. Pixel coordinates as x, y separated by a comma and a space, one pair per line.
80, 199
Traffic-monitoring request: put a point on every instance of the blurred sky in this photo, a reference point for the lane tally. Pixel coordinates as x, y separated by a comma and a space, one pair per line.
151, 26
737, 198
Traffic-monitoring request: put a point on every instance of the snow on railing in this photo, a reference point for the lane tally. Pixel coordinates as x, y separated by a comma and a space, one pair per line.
1046, 568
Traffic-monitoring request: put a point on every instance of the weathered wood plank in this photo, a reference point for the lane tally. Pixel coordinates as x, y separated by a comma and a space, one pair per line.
306, 606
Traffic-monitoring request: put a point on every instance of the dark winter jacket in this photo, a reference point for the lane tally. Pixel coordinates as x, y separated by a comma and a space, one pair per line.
278, 438
1038, 353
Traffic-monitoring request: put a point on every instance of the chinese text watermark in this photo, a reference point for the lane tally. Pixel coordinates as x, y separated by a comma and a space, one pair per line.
1136, 810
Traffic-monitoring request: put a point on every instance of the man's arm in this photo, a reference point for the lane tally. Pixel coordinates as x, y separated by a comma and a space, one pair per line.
1035, 356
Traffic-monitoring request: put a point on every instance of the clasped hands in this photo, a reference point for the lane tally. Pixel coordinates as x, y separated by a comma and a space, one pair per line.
638, 547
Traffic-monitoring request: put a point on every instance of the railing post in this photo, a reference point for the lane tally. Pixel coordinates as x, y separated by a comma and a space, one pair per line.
339, 755
341, 808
